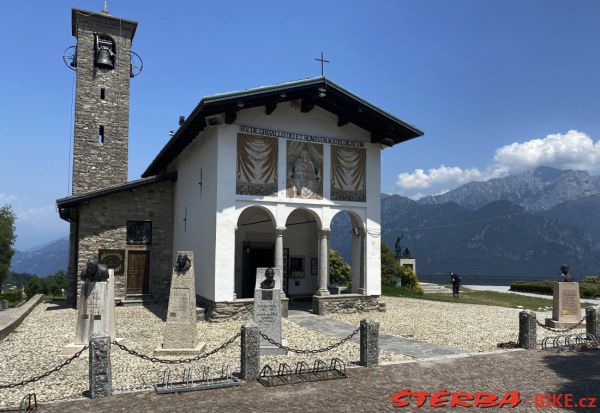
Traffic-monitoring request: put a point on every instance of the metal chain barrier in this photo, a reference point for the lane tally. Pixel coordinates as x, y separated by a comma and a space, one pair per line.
558, 330
300, 351
46, 374
179, 361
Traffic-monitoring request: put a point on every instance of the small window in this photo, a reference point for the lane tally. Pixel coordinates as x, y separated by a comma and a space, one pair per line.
102, 93
139, 232
101, 135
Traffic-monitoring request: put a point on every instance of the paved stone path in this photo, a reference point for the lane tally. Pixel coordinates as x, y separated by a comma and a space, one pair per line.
395, 344
369, 389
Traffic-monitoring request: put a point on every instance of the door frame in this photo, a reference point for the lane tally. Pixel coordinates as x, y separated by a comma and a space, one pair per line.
146, 281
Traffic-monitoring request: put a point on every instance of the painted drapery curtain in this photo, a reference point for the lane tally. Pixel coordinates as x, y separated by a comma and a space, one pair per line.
256, 165
304, 170
348, 173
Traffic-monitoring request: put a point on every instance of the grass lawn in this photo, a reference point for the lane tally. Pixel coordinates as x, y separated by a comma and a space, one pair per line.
476, 297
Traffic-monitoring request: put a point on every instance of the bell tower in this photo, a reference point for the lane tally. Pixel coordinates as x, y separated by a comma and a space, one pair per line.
102, 61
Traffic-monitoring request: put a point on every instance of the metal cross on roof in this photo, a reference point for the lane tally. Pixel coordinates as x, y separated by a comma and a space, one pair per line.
322, 60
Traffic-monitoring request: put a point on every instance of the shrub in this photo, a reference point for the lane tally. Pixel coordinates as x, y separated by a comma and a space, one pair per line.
592, 279
390, 271
13, 296
339, 271
586, 289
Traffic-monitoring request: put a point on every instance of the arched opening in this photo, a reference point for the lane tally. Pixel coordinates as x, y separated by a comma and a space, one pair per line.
348, 240
254, 248
300, 254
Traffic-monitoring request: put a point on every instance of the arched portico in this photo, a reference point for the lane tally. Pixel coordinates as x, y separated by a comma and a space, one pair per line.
254, 247
353, 226
300, 252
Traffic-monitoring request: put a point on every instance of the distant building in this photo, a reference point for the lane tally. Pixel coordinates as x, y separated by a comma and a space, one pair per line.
250, 179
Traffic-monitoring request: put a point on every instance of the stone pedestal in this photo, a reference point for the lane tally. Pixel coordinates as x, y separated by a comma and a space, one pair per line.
181, 334
592, 321
527, 329
95, 313
100, 373
267, 312
250, 351
566, 310
410, 263
369, 342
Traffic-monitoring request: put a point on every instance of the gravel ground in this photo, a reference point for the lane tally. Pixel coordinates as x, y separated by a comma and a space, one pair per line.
467, 326
37, 345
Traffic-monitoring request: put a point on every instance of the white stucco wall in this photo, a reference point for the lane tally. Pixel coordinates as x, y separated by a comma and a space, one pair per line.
213, 215
201, 207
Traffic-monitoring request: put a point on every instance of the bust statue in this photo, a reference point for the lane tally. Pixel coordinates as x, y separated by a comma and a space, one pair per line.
565, 274
183, 262
269, 281
94, 271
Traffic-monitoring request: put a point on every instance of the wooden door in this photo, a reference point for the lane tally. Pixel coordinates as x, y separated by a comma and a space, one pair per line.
138, 266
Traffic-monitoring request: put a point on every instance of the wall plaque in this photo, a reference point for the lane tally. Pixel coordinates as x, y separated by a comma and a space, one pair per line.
113, 259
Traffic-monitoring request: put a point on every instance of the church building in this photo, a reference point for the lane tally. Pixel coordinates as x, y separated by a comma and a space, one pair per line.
251, 178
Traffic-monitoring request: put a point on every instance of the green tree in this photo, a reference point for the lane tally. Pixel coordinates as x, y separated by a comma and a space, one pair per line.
339, 270
7, 238
390, 270
35, 286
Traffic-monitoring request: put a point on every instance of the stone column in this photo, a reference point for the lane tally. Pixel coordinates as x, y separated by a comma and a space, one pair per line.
527, 330
592, 321
279, 252
362, 289
369, 342
100, 371
250, 351
323, 261
356, 260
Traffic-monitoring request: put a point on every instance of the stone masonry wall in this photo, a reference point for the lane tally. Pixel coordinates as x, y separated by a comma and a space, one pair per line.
346, 303
102, 225
99, 165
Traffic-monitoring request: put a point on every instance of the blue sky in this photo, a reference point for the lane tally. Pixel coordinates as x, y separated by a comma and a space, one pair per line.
476, 76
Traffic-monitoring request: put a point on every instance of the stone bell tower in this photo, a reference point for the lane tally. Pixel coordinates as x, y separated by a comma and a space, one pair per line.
102, 62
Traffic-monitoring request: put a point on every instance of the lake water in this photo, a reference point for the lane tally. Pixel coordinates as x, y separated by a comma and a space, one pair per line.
482, 279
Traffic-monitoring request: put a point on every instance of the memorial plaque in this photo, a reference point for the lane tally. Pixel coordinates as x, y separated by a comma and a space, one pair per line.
96, 312
566, 310
181, 334
267, 311
180, 306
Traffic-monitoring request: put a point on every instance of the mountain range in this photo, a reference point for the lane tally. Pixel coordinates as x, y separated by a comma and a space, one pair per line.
522, 225
42, 260
525, 224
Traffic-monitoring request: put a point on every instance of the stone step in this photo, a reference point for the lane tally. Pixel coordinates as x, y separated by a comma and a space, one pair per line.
138, 300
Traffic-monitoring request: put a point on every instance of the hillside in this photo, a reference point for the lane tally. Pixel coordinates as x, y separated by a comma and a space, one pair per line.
498, 239
43, 260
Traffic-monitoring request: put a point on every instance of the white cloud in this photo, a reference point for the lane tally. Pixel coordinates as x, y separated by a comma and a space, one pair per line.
37, 213
5, 198
573, 150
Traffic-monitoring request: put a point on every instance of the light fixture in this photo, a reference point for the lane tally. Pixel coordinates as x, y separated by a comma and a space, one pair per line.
322, 91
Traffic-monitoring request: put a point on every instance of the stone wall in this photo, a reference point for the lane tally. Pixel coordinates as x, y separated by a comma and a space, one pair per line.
102, 225
346, 303
99, 165
233, 310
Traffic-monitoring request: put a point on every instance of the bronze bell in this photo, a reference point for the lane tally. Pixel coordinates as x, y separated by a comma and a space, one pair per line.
104, 59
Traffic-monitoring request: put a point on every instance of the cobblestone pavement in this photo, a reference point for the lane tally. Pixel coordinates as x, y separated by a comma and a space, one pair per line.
369, 389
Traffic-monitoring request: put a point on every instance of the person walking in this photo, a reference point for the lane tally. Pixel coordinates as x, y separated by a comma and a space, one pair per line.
455, 284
